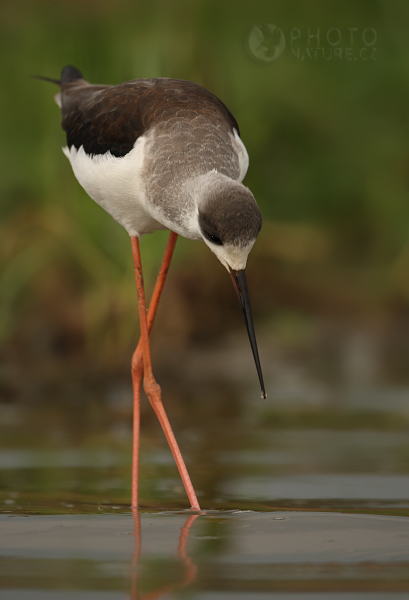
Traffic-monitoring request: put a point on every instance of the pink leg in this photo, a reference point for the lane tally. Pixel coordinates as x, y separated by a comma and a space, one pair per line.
137, 364
151, 388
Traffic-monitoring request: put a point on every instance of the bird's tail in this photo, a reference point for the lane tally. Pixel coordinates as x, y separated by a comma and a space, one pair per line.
68, 75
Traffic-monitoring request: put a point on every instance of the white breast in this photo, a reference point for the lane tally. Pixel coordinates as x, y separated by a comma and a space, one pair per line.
117, 185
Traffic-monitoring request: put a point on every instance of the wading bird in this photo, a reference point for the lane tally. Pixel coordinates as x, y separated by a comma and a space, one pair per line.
163, 154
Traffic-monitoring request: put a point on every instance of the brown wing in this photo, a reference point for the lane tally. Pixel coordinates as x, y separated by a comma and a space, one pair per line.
111, 118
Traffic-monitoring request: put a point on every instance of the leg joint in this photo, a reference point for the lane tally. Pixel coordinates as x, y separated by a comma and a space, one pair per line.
152, 389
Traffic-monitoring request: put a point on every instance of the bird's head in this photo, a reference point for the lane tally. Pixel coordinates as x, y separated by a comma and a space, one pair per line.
229, 221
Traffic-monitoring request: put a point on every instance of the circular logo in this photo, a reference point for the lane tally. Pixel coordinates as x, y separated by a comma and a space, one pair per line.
266, 42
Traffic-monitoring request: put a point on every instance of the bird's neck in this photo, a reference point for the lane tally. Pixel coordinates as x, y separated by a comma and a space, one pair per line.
201, 187
195, 192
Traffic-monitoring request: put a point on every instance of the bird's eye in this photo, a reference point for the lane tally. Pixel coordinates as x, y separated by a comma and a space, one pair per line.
213, 238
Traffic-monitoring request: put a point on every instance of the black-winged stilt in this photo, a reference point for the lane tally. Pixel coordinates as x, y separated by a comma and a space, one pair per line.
163, 154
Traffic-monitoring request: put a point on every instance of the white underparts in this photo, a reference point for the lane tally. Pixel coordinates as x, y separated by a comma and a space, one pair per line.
116, 184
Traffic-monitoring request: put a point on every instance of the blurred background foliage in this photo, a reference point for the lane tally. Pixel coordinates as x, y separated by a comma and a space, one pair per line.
328, 139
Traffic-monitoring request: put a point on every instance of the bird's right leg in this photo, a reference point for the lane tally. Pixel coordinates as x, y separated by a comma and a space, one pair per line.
151, 388
137, 363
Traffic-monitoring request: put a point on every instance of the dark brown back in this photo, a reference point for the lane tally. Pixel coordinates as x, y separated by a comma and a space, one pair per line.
111, 118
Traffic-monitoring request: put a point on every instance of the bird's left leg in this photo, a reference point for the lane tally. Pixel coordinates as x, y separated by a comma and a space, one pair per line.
151, 388
137, 363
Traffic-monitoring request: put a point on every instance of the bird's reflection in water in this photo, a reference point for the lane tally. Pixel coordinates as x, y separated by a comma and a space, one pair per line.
190, 569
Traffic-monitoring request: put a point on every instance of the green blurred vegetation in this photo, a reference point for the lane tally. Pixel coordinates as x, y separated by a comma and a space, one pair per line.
329, 159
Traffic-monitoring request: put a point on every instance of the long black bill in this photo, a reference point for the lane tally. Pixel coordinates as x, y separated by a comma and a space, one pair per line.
240, 285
